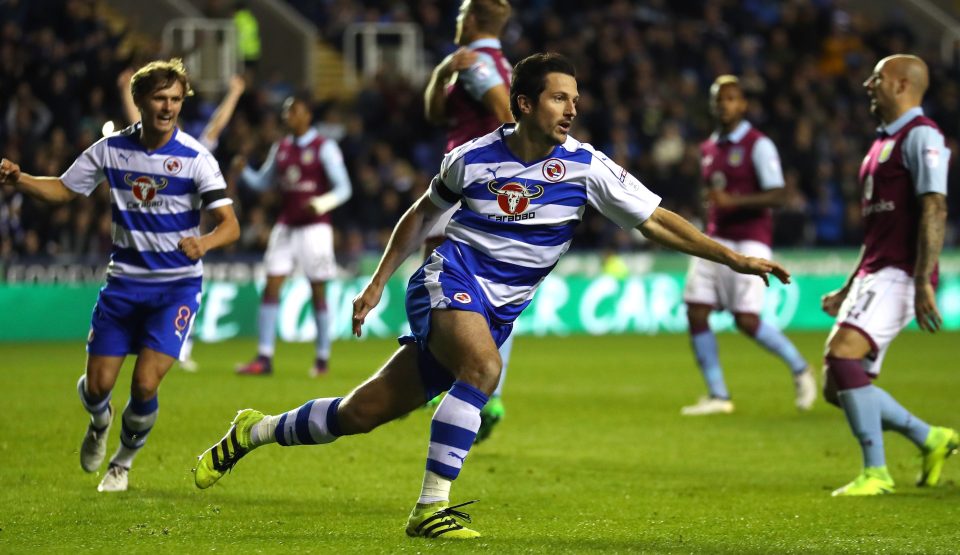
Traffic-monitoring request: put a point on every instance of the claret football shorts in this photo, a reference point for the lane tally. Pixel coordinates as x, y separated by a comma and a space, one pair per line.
878, 305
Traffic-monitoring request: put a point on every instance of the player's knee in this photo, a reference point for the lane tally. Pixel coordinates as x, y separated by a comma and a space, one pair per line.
271, 291
99, 379
830, 391
482, 373
698, 318
144, 388
843, 374
747, 323
98, 386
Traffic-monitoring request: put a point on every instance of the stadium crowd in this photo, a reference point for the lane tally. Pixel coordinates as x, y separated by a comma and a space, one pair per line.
643, 73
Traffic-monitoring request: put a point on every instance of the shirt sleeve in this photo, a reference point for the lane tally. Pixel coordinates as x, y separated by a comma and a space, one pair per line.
927, 157
617, 194
481, 76
210, 183
446, 188
86, 172
766, 164
336, 170
259, 180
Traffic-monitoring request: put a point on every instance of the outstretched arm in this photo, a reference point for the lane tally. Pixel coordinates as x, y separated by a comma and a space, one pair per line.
221, 117
670, 230
407, 237
49, 189
130, 109
933, 219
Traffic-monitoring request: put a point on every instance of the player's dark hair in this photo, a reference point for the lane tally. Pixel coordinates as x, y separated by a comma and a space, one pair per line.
530, 77
491, 15
158, 75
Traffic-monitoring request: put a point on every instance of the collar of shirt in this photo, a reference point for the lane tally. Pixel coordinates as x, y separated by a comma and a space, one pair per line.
734, 136
897, 125
304, 140
485, 43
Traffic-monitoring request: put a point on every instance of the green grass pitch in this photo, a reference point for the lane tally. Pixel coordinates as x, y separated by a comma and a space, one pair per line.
592, 457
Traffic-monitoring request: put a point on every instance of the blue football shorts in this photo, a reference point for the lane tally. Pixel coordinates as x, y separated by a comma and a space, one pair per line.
443, 283
131, 315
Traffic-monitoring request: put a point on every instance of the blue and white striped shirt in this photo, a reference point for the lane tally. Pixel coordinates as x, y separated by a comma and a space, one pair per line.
156, 198
516, 219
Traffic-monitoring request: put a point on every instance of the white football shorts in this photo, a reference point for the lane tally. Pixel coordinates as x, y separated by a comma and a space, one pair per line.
717, 285
308, 247
878, 305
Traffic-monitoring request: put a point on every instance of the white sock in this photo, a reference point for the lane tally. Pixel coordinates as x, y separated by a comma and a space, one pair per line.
262, 432
435, 488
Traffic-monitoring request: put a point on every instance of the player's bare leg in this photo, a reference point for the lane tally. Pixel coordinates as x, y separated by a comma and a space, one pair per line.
493, 411
95, 387
936, 443
138, 417
460, 341
318, 290
392, 392
704, 344
262, 364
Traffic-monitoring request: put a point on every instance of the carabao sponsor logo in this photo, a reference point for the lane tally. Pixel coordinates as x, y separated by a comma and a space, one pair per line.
144, 187
514, 198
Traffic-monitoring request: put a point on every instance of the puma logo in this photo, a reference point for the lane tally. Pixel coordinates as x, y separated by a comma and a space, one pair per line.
456, 456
